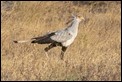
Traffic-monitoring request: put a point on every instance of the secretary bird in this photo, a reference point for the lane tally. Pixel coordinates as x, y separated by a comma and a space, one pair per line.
63, 38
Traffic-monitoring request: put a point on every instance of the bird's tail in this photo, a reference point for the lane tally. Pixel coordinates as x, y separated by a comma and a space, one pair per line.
45, 39
23, 41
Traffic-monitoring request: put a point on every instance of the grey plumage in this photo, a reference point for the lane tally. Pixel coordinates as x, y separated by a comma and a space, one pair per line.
61, 36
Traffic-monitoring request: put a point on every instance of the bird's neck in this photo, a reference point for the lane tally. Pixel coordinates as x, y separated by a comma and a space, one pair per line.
74, 26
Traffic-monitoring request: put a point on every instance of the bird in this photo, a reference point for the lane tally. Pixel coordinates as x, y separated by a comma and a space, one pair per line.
63, 37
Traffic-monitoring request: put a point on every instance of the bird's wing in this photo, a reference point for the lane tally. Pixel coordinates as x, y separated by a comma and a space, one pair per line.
44, 36
61, 36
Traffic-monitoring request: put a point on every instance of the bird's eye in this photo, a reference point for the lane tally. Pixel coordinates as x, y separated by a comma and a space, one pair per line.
78, 16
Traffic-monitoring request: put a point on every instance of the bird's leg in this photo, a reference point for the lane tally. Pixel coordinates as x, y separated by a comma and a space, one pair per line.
63, 51
49, 47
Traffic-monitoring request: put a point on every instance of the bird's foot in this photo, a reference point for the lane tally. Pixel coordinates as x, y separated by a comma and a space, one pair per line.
46, 54
61, 57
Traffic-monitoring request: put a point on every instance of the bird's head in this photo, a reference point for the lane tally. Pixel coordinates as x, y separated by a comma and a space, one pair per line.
78, 17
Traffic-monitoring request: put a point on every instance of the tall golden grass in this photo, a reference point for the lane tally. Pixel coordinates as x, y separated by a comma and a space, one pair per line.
95, 54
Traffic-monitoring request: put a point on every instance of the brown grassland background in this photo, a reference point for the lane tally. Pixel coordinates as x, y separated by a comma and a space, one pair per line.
94, 55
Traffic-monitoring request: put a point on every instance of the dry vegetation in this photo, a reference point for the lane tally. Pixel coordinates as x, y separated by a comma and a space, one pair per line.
94, 55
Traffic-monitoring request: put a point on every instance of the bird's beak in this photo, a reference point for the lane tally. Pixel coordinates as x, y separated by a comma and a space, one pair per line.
82, 18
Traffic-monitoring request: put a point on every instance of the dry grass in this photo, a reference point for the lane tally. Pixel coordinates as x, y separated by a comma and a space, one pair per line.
94, 55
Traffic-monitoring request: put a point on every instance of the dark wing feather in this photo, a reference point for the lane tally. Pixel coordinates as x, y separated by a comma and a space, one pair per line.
44, 39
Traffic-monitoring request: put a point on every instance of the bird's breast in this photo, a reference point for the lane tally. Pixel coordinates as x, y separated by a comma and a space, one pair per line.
69, 42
